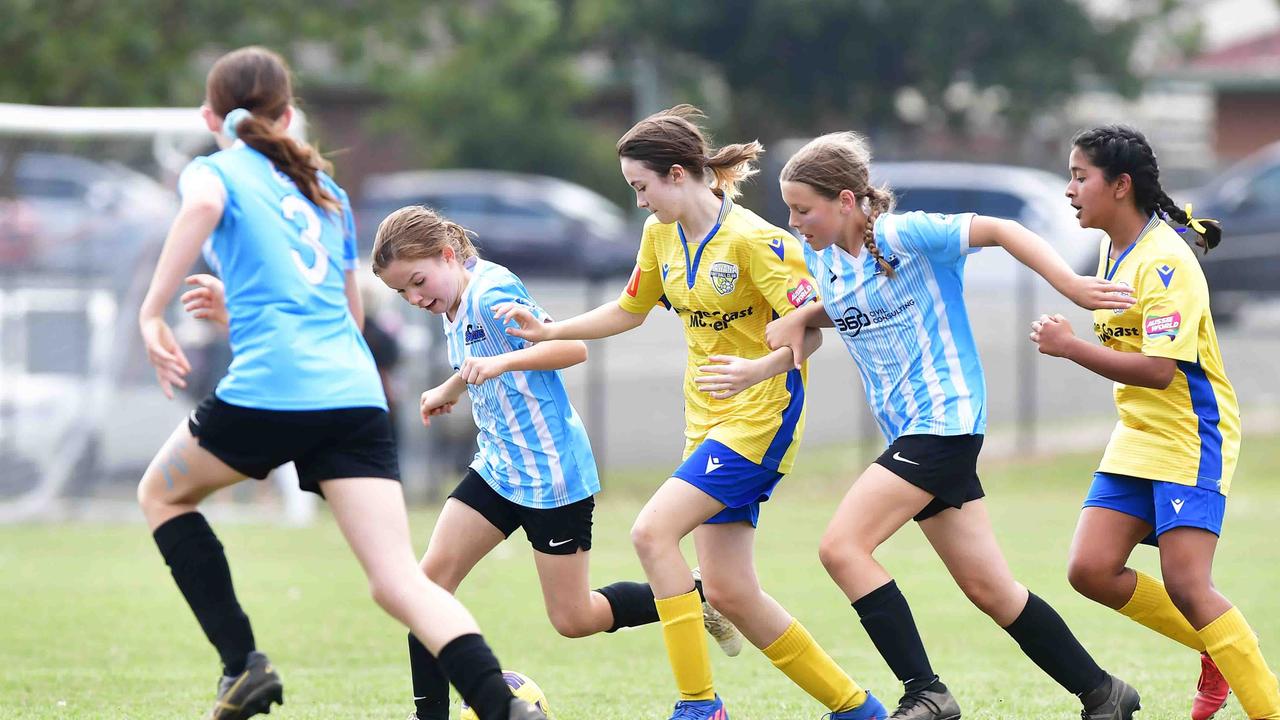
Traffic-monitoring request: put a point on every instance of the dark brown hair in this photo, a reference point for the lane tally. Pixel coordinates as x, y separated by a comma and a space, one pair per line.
257, 79
671, 137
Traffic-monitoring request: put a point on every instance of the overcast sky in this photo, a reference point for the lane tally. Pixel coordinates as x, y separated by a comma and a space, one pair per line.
1226, 21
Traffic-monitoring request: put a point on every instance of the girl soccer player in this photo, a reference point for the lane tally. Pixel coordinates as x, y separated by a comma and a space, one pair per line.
534, 468
1165, 474
302, 387
892, 285
725, 272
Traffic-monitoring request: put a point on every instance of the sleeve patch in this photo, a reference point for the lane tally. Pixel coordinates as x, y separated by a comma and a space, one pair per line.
1163, 325
802, 293
633, 285
1166, 274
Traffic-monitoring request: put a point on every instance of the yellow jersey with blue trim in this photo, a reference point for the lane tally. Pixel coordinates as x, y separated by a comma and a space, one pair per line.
725, 288
1189, 432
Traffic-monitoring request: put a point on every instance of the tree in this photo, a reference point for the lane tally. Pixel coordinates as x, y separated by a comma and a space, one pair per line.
799, 66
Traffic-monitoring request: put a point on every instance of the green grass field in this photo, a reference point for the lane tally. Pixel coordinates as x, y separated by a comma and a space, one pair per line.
92, 626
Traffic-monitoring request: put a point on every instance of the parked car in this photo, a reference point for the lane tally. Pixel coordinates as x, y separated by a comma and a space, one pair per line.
71, 215
1246, 200
532, 224
1034, 198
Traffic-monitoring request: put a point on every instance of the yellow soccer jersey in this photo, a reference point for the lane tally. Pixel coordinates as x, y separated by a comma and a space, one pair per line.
725, 289
1188, 433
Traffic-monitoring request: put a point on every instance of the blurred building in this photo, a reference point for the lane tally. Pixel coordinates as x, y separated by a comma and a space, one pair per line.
1243, 81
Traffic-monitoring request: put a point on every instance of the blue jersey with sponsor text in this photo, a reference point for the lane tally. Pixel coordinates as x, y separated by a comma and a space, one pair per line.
909, 334
294, 343
533, 448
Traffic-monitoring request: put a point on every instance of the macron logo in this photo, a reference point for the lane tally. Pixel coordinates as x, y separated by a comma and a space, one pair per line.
713, 464
1166, 274
1177, 505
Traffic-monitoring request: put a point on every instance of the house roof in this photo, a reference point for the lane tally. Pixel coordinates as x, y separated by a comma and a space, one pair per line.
1252, 64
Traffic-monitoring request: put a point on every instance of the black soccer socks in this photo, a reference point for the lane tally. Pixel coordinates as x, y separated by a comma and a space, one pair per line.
632, 604
1046, 639
473, 669
430, 688
887, 618
199, 566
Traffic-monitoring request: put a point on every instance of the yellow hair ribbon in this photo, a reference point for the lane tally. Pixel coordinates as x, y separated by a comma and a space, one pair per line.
1194, 223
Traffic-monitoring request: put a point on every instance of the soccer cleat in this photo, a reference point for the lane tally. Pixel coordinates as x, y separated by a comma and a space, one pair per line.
1121, 703
870, 709
249, 693
719, 626
1211, 691
700, 710
521, 710
932, 703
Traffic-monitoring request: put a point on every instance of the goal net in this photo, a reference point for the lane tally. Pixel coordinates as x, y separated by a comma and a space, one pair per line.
86, 197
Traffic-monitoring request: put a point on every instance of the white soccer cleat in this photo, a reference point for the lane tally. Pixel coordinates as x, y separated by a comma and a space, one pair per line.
719, 626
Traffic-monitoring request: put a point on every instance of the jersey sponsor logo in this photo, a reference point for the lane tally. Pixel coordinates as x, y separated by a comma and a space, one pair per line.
473, 334
724, 276
893, 261
1106, 332
852, 321
714, 319
633, 285
802, 293
777, 247
1163, 325
1166, 274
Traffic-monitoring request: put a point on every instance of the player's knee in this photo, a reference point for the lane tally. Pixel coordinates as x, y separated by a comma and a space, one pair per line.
442, 570
734, 600
646, 538
1188, 593
986, 594
837, 553
570, 623
1087, 577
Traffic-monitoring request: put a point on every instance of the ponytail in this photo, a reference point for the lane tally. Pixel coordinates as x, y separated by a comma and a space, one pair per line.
417, 232
250, 89
298, 160
673, 137
731, 165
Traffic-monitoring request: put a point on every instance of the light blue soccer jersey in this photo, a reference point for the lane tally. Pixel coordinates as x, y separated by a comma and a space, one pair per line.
910, 334
533, 448
283, 259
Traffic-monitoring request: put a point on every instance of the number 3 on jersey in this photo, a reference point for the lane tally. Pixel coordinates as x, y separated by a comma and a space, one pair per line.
292, 206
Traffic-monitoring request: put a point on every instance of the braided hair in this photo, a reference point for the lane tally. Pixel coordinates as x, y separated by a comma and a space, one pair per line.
841, 161
1120, 149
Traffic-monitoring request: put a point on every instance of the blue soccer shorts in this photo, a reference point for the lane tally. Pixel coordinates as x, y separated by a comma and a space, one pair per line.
731, 479
1162, 505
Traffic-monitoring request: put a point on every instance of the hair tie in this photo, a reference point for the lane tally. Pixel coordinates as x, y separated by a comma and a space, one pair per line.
233, 119
1194, 223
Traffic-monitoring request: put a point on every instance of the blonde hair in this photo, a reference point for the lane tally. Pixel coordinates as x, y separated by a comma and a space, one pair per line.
672, 137
417, 232
842, 161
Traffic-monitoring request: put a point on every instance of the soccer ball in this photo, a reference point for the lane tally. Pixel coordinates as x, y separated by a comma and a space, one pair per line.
522, 687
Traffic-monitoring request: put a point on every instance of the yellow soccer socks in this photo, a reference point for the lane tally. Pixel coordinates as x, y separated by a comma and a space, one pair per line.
681, 618
1234, 647
1151, 606
800, 658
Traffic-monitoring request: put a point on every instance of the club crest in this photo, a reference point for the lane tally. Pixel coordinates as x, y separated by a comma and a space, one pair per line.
724, 276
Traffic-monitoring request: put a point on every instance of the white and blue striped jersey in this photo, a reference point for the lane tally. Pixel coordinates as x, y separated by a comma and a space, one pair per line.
294, 343
909, 334
533, 448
